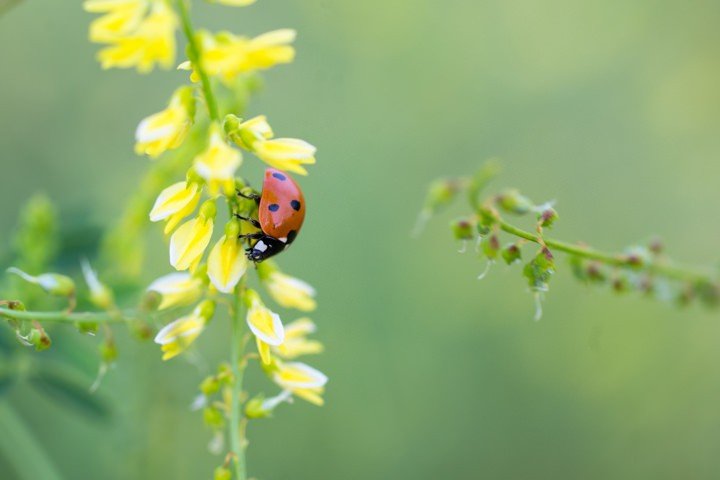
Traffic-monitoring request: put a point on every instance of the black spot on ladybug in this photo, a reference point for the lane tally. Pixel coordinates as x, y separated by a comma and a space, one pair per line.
291, 236
279, 176
273, 207
295, 205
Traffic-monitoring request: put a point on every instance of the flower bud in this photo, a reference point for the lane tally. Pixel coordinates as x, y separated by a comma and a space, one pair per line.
491, 247
89, 328
213, 418
210, 385
511, 254
100, 295
441, 194
108, 351
462, 229
261, 407
222, 473
547, 217
52, 283
38, 338
539, 270
512, 201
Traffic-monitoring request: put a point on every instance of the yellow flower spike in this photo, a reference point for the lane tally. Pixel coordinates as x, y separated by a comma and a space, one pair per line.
296, 343
177, 289
302, 380
100, 295
153, 41
217, 163
190, 240
175, 203
121, 17
177, 336
287, 291
167, 129
264, 324
227, 262
286, 154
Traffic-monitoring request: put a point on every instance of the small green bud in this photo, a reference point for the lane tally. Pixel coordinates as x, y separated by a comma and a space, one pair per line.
487, 218
213, 418
141, 330
222, 473
206, 309
511, 254
150, 301
89, 328
441, 193
491, 247
462, 229
208, 210
539, 270
232, 229
620, 283
254, 408
512, 201
108, 351
578, 267
52, 283
39, 338
210, 386
547, 217
595, 273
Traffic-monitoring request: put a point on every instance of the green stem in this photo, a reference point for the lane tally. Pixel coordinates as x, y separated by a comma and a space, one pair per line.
194, 54
617, 260
236, 433
63, 316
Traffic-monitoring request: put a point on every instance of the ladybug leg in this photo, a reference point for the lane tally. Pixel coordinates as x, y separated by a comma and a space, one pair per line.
248, 193
252, 236
254, 222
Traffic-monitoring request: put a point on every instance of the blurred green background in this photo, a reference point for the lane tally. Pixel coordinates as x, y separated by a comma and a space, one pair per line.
610, 107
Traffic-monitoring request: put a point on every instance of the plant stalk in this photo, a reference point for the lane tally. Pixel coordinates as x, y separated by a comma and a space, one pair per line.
195, 57
63, 316
617, 260
236, 433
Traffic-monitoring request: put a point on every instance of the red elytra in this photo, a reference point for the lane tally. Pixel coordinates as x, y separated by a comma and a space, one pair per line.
282, 206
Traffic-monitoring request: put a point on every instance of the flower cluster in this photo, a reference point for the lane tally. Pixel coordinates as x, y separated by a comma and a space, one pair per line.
642, 268
208, 249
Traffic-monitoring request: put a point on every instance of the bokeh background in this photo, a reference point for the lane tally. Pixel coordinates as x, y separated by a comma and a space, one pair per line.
610, 107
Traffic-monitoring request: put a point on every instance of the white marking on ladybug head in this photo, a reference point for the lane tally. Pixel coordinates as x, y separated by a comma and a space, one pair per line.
260, 245
283, 239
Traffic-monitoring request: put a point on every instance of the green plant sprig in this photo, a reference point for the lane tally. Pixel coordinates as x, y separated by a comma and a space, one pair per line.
641, 267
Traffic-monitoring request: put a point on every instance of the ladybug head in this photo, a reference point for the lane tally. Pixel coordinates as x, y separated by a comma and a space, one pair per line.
264, 248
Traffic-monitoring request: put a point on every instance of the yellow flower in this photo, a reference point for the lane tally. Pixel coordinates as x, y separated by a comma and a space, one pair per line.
121, 17
153, 41
289, 292
227, 262
175, 203
100, 295
296, 342
246, 133
177, 289
190, 240
226, 55
217, 163
286, 154
270, 49
177, 336
264, 324
167, 129
302, 380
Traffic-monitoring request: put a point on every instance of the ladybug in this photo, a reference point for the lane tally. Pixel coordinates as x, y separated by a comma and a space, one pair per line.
281, 212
